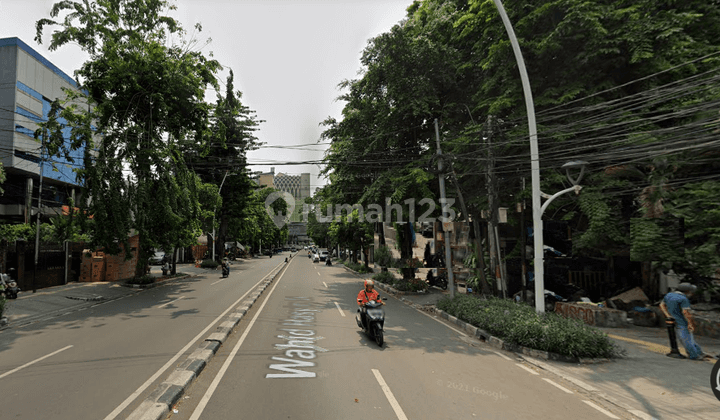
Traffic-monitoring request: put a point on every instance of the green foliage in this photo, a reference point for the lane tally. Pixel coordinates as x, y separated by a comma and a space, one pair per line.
383, 256
209, 264
360, 268
146, 98
385, 277
146, 279
411, 285
2, 304
520, 324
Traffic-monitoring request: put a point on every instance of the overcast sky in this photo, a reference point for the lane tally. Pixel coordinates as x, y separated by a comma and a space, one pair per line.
288, 57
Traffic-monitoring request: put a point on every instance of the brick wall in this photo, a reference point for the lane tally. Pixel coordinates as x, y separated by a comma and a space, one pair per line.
100, 266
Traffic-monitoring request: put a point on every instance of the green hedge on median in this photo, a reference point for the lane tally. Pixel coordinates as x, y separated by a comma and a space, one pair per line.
519, 324
360, 268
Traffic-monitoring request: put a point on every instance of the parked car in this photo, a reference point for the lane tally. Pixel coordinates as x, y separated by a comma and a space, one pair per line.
324, 254
157, 259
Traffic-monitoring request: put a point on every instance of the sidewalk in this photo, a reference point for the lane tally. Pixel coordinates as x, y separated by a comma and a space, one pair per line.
53, 301
646, 382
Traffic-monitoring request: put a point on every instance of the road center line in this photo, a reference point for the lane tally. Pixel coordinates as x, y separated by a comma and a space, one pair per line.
527, 368
558, 386
212, 284
34, 361
208, 394
389, 395
600, 409
340, 310
172, 301
182, 351
318, 274
325, 284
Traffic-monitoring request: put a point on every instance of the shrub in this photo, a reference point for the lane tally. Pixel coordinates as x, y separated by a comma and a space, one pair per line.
384, 277
141, 280
412, 285
209, 264
520, 324
2, 306
383, 256
360, 268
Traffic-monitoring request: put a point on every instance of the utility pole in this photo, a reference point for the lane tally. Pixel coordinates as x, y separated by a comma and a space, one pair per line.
443, 200
215, 211
37, 222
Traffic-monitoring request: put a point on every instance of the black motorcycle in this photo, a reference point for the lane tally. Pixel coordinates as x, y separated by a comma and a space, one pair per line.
373, 320
225, 270
328, 261
8, 286
439, 281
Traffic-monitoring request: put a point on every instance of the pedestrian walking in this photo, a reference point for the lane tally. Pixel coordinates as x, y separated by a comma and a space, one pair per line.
676, 307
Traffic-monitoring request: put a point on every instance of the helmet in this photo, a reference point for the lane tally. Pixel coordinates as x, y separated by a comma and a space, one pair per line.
369, 283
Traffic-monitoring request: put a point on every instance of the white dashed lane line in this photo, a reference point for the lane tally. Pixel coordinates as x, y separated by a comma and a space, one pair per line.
600, 409
173, 301
339, 310
34, 361
325, 284
527, 368
503, 356
389, 395
558, 386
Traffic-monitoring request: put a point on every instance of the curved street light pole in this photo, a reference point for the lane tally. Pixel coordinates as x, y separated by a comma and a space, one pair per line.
539, 267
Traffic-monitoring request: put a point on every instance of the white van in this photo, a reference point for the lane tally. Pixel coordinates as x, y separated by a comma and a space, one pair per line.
323, 254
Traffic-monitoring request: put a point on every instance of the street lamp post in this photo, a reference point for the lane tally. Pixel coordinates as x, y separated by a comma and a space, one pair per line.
537, 207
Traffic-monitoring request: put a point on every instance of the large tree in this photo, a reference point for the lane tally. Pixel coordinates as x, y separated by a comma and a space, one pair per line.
144, 96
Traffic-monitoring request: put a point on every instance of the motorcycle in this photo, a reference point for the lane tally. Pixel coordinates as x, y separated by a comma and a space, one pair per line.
439, 281
8, 286
225, 270
166, 269
327, 261
374, 320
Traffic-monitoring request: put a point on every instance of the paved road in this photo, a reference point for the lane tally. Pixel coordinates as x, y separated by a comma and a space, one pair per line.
298, 354
101, 362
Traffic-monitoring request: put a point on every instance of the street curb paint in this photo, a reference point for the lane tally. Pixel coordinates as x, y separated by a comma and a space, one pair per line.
159, 403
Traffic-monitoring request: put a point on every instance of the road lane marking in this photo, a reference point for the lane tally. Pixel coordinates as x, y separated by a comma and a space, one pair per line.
602, 410
208, 394
340, 310
503, 356
182, 351
325, 284
558, 386
527, 368
318, 274
643, 415
34, 361
172, 301
389, 395
213, 284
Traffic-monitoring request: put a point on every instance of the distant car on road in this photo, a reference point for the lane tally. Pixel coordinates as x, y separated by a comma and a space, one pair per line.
157, 259
324, 254
316, 258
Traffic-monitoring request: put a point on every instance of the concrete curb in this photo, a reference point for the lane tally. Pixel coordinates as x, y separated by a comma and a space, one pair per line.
159, 403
